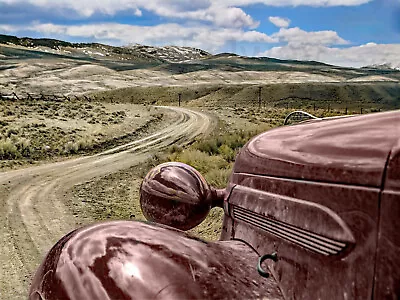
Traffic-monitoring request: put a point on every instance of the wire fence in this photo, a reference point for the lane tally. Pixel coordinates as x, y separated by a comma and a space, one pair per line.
288, 103
43, 97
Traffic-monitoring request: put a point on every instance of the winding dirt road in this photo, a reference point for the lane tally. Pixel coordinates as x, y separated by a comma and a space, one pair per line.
33, 213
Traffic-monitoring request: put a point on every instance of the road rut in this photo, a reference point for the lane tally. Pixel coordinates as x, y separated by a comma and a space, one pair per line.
33, 211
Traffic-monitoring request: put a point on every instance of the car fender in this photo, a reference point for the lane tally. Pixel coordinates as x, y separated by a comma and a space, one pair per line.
135, 260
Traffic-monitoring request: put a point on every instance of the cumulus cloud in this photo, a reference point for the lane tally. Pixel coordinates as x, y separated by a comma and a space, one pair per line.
279, 22
356, 56
297, 36
299, 2
219, 15
8, 28
205, 37
215, 11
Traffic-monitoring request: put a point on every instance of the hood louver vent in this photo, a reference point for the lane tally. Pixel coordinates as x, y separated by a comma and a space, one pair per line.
301, 237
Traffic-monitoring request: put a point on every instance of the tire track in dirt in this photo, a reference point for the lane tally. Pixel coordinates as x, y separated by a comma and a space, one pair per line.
33, 213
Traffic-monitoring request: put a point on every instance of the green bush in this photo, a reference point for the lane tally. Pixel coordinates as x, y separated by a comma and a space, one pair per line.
85, 143
200, 160
71, 148
24, 147
8, 150
227, 153
218, 177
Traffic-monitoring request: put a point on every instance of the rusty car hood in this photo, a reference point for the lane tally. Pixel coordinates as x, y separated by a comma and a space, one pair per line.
351, 150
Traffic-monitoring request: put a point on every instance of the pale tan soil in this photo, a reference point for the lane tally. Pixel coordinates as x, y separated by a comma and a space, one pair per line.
47, 76
68, 77
372, 79
33, 201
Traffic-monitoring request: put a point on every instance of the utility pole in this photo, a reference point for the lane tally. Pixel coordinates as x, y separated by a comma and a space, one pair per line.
179, 98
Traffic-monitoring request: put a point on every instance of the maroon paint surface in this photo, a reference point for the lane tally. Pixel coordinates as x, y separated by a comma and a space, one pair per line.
176, 195
315, 208
133, 260
351, 150
387, 277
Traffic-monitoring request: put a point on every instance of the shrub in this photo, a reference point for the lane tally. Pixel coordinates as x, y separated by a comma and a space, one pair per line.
12, 131
218, 177
24, 147
227, 153
208, 146
84, 144
8, 150
175, 149
71, 148
200, 160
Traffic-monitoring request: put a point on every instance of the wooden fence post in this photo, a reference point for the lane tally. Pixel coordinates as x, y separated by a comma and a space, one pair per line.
15, 95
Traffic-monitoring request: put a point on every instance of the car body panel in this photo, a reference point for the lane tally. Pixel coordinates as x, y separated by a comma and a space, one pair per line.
311, 193
387, 277
304, 214
134, 260
351, 150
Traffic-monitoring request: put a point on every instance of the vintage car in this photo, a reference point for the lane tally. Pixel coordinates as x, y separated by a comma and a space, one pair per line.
312, 211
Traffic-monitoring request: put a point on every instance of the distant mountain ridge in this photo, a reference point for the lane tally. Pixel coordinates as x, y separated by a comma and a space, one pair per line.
178, 60
129, 53
384, 66
172, 53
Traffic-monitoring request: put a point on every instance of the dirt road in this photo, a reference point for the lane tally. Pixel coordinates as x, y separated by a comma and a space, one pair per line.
33, 213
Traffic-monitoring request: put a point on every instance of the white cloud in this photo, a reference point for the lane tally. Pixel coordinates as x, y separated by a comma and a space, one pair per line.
222, 13
138, 12
298, 2
296, 36
279, 22
357, 56
8, 28
215, 12
205, 37
219, 15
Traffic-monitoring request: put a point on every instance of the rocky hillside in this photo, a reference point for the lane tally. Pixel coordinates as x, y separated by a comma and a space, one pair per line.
172, 53
385, 66
138, 53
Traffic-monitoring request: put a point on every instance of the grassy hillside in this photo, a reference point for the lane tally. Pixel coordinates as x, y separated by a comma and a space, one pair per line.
377, 96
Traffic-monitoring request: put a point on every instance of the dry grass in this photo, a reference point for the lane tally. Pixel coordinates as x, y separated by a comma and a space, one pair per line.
32, 131
116, 196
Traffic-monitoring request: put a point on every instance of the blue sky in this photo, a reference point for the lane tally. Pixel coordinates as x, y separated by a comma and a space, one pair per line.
341, 32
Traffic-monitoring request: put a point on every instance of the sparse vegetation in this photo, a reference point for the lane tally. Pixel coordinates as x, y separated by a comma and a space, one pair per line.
36, 130
116, 196
308, 96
